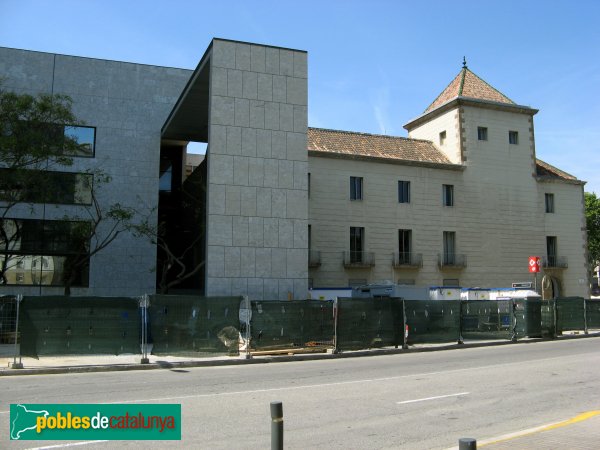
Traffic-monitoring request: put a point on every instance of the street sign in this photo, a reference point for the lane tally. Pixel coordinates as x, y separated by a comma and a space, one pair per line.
534, 264
523, 285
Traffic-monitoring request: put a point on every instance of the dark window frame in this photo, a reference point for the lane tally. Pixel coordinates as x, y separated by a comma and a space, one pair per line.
482, 133
448, 195
403, 191
357, 244
549, 202
513, 137
356, 188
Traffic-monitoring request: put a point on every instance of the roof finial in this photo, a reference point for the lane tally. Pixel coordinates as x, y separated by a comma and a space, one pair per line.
465, 63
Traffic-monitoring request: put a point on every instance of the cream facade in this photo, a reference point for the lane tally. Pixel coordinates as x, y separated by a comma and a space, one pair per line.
506, 205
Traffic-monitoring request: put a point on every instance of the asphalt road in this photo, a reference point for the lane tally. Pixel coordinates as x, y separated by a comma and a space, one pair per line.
412, 401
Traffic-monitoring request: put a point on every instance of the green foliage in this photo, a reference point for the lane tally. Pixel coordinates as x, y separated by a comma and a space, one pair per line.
592, 217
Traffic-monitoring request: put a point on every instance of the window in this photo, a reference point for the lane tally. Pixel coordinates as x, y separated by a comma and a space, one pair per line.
448, 195
449, 244
404, 246
41, 250
549, 203
35, 186
513, 137
308, 184
551, 250
356, 188
84, 138
357, 242
482, 133
442, 137
403, 191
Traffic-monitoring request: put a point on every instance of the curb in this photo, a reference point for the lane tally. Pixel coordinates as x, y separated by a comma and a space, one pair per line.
273, 359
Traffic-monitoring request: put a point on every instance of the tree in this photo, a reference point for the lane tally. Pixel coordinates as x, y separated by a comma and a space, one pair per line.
36, 137
592, 217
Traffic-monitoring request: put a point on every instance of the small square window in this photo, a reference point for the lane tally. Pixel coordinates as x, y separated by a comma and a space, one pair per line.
356, 188
482, 133
442, 137
513, 137
448, 195
549, 203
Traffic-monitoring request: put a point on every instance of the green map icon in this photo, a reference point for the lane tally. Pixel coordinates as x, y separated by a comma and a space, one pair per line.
23, 419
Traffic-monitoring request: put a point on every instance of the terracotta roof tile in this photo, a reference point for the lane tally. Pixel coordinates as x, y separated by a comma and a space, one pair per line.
467, 84
546, 170
374, 145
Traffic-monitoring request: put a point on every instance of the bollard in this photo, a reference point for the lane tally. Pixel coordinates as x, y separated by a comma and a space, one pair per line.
467, 444
276, 426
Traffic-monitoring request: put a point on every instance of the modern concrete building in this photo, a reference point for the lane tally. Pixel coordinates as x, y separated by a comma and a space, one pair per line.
278, 206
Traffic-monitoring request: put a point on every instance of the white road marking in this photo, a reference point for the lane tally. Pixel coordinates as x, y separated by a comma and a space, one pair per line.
72, 444
432, 398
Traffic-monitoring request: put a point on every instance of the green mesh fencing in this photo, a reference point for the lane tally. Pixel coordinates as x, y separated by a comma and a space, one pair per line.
193, 326
592, 309
487, 319
78, 325
288, 324
547, 318
369, 322
432, 321
528, 317
569, 314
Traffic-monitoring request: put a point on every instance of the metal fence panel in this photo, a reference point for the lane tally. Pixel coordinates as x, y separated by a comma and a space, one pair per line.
432, 321
193, 325
369, 322
593, 313
487, 319
288, 324
570, 314
528, 317
53, 325
548, 327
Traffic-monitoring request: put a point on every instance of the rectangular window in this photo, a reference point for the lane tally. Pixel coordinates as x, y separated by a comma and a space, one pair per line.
442, 137
448, 195
449, 244
403, 191
482, 134
356, 188
41, 250
552, 250
357, 242
308, 187
549, 203
513, 137
36, 186
404, 246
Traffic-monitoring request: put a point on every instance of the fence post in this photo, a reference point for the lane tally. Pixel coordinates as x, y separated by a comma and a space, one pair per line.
248, 318
585, 325
513, 318
144, 303
276, 426
15, 364
404, 326
460, 315
336, 313
555, 314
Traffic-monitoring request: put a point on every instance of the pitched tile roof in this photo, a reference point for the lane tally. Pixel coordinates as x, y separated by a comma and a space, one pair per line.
467, 84
547, 171
374, 146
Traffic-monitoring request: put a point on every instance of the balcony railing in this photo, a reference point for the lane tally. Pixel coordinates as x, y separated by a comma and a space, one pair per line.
356, 260
555, 262
452, 261
407, 260
314, 258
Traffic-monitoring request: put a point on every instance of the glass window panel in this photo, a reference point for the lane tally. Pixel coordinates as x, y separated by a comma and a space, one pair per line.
85, 137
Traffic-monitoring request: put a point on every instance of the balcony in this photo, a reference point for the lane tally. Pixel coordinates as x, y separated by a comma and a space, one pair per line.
452, 261
358, 260
407, 260
314, 259
555, 262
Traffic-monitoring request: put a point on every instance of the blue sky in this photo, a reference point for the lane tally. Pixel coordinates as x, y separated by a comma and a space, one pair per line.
373, 65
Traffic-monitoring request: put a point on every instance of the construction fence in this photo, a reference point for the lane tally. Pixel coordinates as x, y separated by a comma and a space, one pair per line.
202, 326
